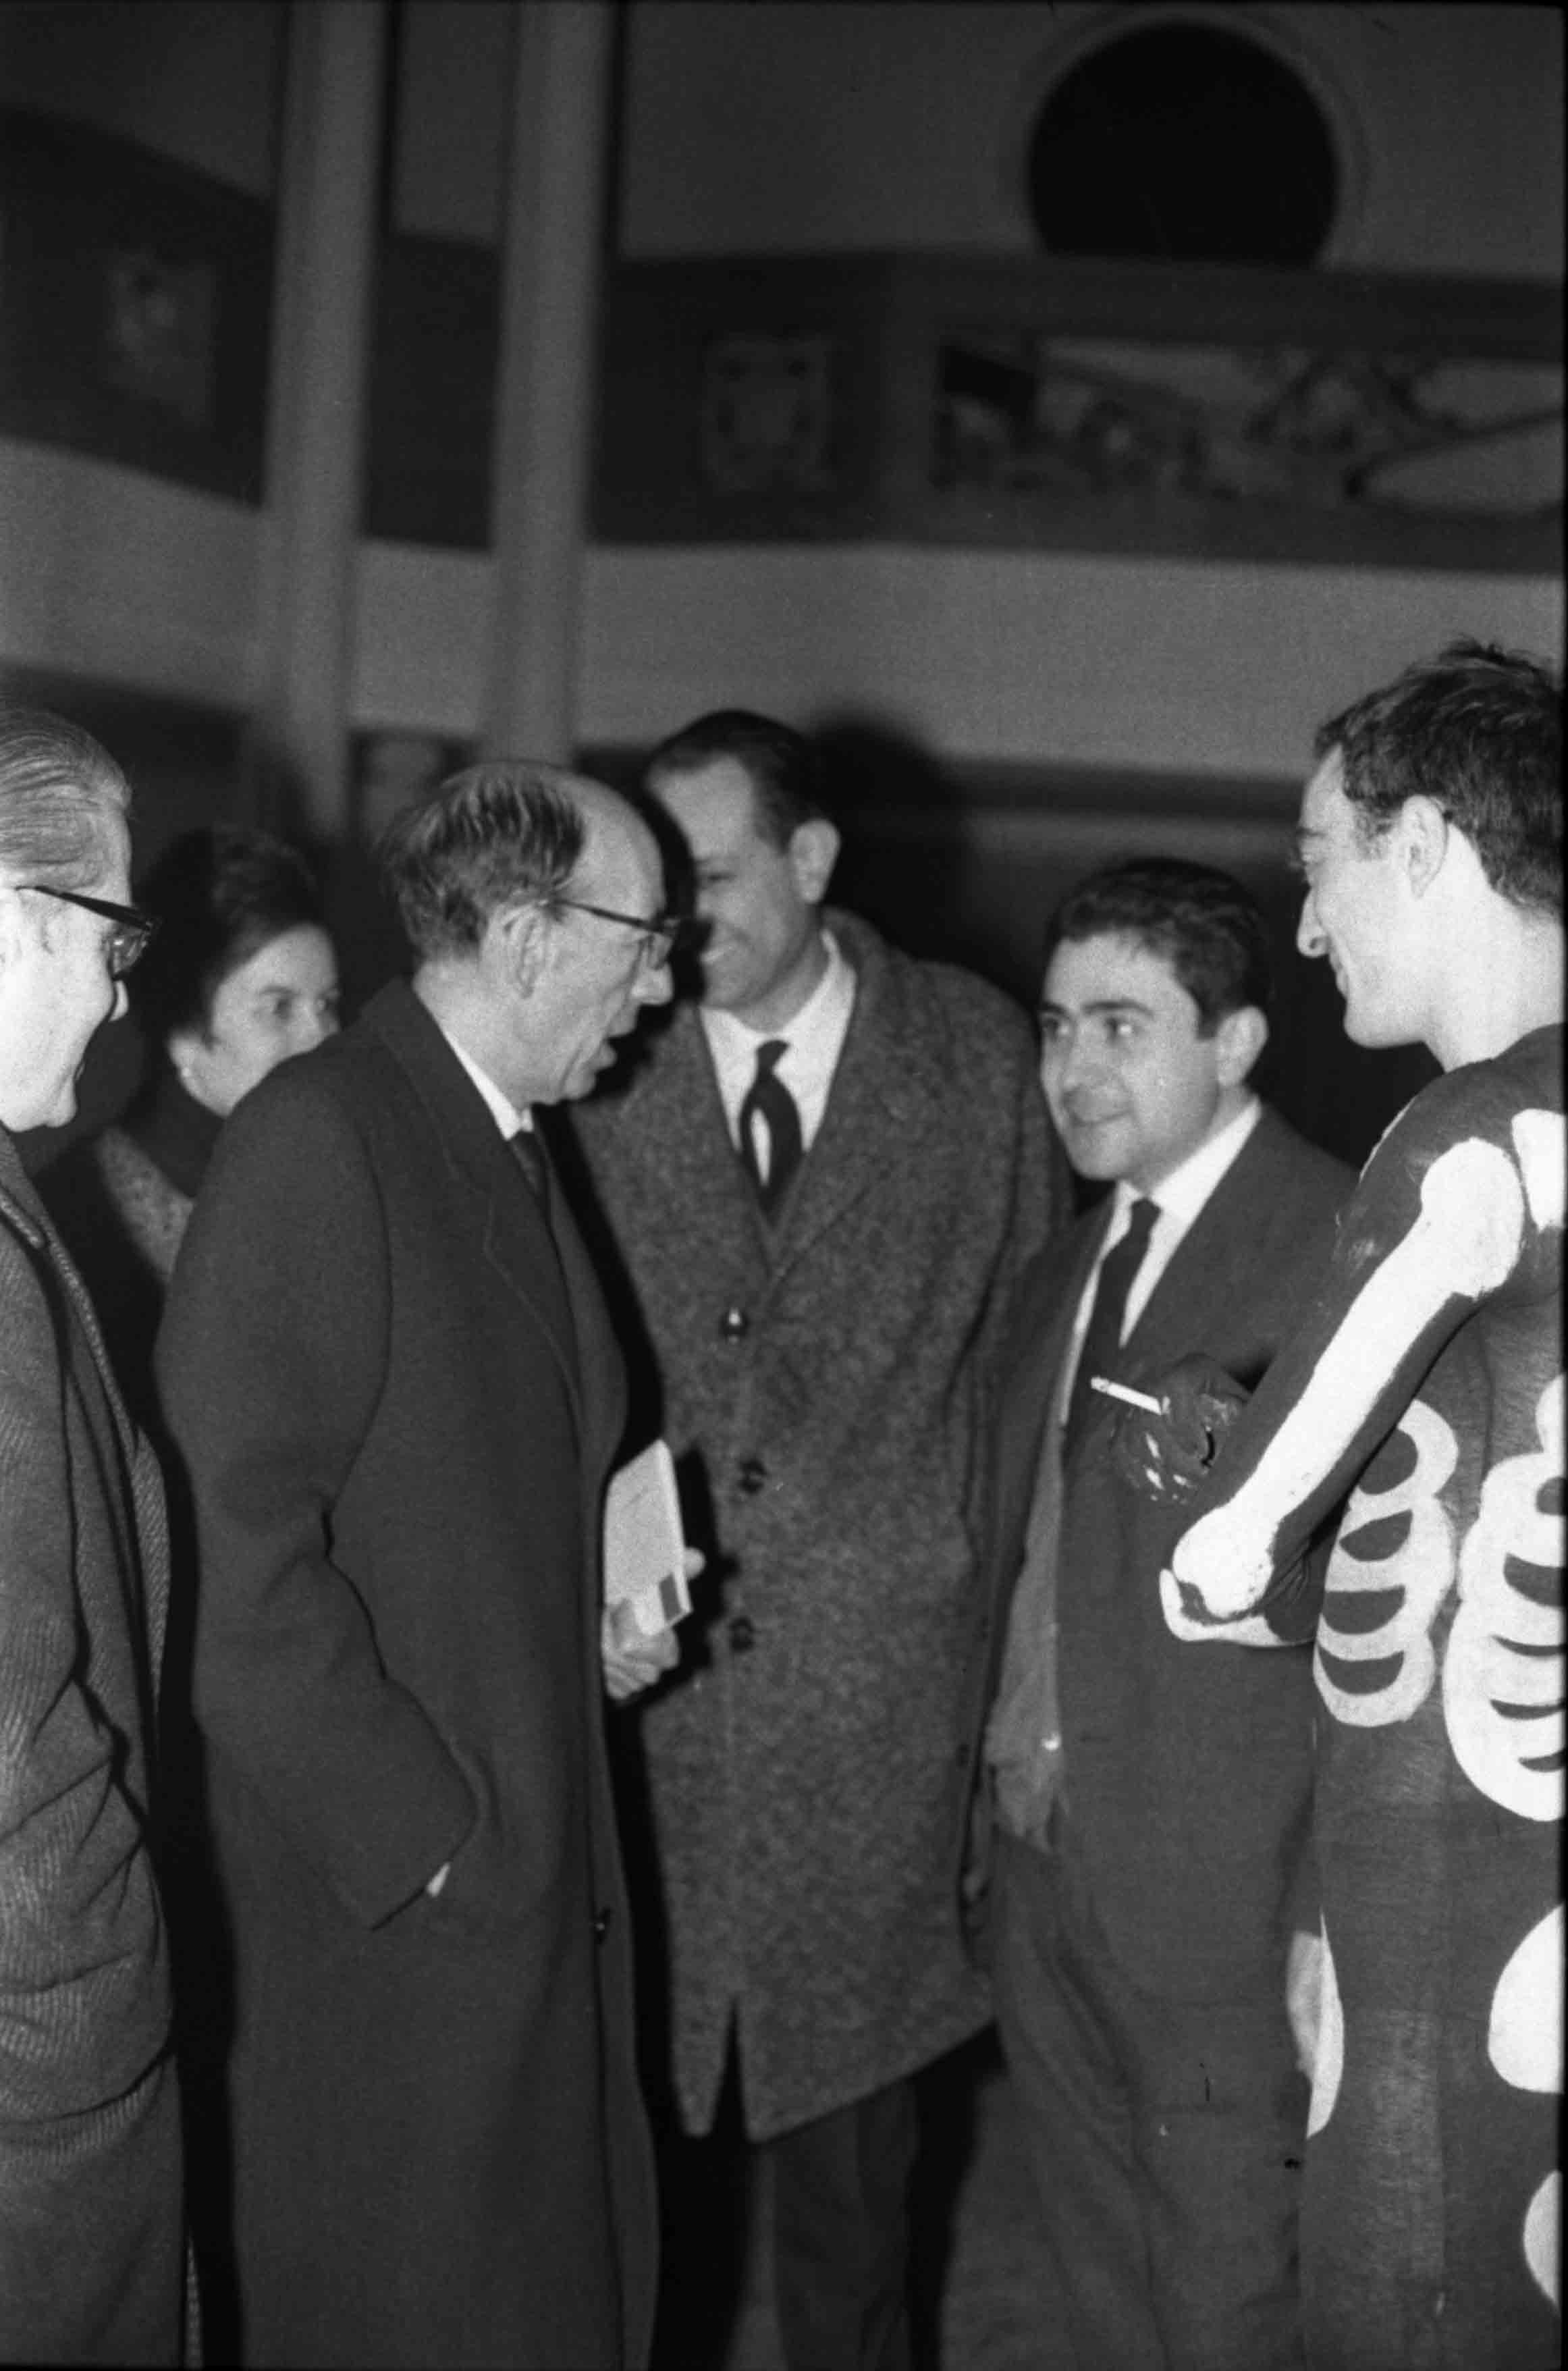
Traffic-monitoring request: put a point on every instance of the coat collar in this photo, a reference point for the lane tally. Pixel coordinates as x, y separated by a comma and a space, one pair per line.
22, 1207
547, 1267
889, 1087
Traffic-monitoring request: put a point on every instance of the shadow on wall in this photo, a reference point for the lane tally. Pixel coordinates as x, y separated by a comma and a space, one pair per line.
967, 862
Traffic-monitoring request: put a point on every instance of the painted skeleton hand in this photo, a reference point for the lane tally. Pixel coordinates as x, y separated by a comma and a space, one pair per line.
1167, 1457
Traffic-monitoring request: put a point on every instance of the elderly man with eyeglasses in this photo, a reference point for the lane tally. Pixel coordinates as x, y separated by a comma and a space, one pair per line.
91, 2250
390, 1373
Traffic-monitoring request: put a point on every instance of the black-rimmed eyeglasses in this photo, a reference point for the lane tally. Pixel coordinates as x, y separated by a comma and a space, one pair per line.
127, 942
658, 931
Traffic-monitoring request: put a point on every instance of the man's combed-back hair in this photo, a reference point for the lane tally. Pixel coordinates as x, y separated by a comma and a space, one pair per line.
219, 896
1480, 730
57, 787
784, 768
494, 835
1200, 921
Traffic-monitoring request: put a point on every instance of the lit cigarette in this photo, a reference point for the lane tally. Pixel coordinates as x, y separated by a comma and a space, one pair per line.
1125, 1391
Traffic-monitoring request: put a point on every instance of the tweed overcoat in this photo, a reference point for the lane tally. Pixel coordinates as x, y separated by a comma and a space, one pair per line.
91, 2242
822, 1384
397, 1407
1188, 1774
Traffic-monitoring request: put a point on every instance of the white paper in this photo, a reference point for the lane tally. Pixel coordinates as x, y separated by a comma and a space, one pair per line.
644, 1550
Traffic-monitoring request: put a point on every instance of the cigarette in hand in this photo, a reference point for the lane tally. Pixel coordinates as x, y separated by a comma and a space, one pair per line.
1125, 1391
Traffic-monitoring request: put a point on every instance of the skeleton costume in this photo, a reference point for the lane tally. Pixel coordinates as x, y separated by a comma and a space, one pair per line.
1427, 1383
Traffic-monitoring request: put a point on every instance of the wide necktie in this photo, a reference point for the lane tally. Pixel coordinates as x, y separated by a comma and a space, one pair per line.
770, 1111
1103, 1340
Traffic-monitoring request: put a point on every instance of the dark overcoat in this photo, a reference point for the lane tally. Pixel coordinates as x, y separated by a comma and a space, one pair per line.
91, 2248
1188, 1771
823, 1387
397, 1407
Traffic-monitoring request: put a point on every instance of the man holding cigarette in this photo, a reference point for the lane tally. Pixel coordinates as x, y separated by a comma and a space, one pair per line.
1139, 1854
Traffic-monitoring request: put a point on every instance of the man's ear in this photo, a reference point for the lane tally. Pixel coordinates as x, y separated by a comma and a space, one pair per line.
182, 1044
1423, 832
1239, 1039
813, 852
518, 942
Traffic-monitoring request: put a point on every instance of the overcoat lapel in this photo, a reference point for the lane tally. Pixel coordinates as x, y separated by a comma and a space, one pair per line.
510, 1227
888, 1099
1209, 1262
143, 1558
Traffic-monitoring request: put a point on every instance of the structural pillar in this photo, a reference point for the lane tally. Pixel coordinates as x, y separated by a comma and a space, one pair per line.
544, 394
321, 331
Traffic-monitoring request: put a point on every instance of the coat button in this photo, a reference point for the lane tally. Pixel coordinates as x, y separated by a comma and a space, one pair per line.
735, 1326
753, 1474
600, 1925
743, 1634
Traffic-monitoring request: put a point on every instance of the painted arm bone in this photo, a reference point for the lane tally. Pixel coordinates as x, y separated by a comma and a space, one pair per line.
1337, 1387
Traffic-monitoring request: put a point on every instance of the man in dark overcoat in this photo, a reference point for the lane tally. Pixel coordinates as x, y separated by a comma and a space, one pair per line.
389, 1370
91, 2248
1140, 1870
821, 1274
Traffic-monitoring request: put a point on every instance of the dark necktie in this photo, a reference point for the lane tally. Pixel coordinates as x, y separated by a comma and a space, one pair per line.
529, 1155
769, 1100
1102, 1341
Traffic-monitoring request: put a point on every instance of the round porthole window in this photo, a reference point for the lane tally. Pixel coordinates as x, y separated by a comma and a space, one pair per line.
1185, 141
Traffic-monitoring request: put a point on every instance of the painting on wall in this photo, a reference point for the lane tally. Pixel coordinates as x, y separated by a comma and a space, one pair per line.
135, 306
1383, 438
1184, 410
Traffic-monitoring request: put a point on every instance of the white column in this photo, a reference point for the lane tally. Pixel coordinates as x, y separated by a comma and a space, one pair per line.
544, 394
323, 289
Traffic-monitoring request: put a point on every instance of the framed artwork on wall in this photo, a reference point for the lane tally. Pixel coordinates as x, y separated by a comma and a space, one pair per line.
1188, 411
135, 307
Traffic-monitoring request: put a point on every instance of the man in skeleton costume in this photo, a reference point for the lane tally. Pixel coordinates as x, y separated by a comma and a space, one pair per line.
1428, 1383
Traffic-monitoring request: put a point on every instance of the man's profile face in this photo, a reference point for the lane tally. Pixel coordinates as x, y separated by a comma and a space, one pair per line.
56, 987
1132, 1087
761, 924
1352, 914
596, 977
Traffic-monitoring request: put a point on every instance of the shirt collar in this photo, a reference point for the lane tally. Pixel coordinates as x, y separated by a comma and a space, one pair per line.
1182, 1195
505, 1114
822, 1019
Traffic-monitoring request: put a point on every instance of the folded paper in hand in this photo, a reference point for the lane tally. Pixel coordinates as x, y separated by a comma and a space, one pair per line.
644, 1551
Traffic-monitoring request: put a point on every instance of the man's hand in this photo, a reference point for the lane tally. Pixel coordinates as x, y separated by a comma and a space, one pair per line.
1304, 1996
1167, 1457
631, 1659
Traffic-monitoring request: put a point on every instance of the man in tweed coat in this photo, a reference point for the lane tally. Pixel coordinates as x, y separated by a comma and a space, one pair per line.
91, 2245
822, 1283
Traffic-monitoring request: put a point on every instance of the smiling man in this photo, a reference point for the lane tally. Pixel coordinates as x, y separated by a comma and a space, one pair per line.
389, 1372
90, 2191
1142, 1822
1426, 1382
822, 1182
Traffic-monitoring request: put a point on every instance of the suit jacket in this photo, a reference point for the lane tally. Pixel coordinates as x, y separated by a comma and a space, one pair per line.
1187, 1774
91, 2248
824, 1384
397, 1401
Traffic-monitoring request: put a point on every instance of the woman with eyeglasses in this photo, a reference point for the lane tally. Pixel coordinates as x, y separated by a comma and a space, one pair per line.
238, 974
91, 2226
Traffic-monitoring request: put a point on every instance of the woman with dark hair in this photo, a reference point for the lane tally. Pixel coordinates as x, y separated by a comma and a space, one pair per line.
239, 975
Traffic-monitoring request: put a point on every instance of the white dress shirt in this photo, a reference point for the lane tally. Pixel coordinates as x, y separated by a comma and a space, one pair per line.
813, 1040
1180, 1199
505, 1114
